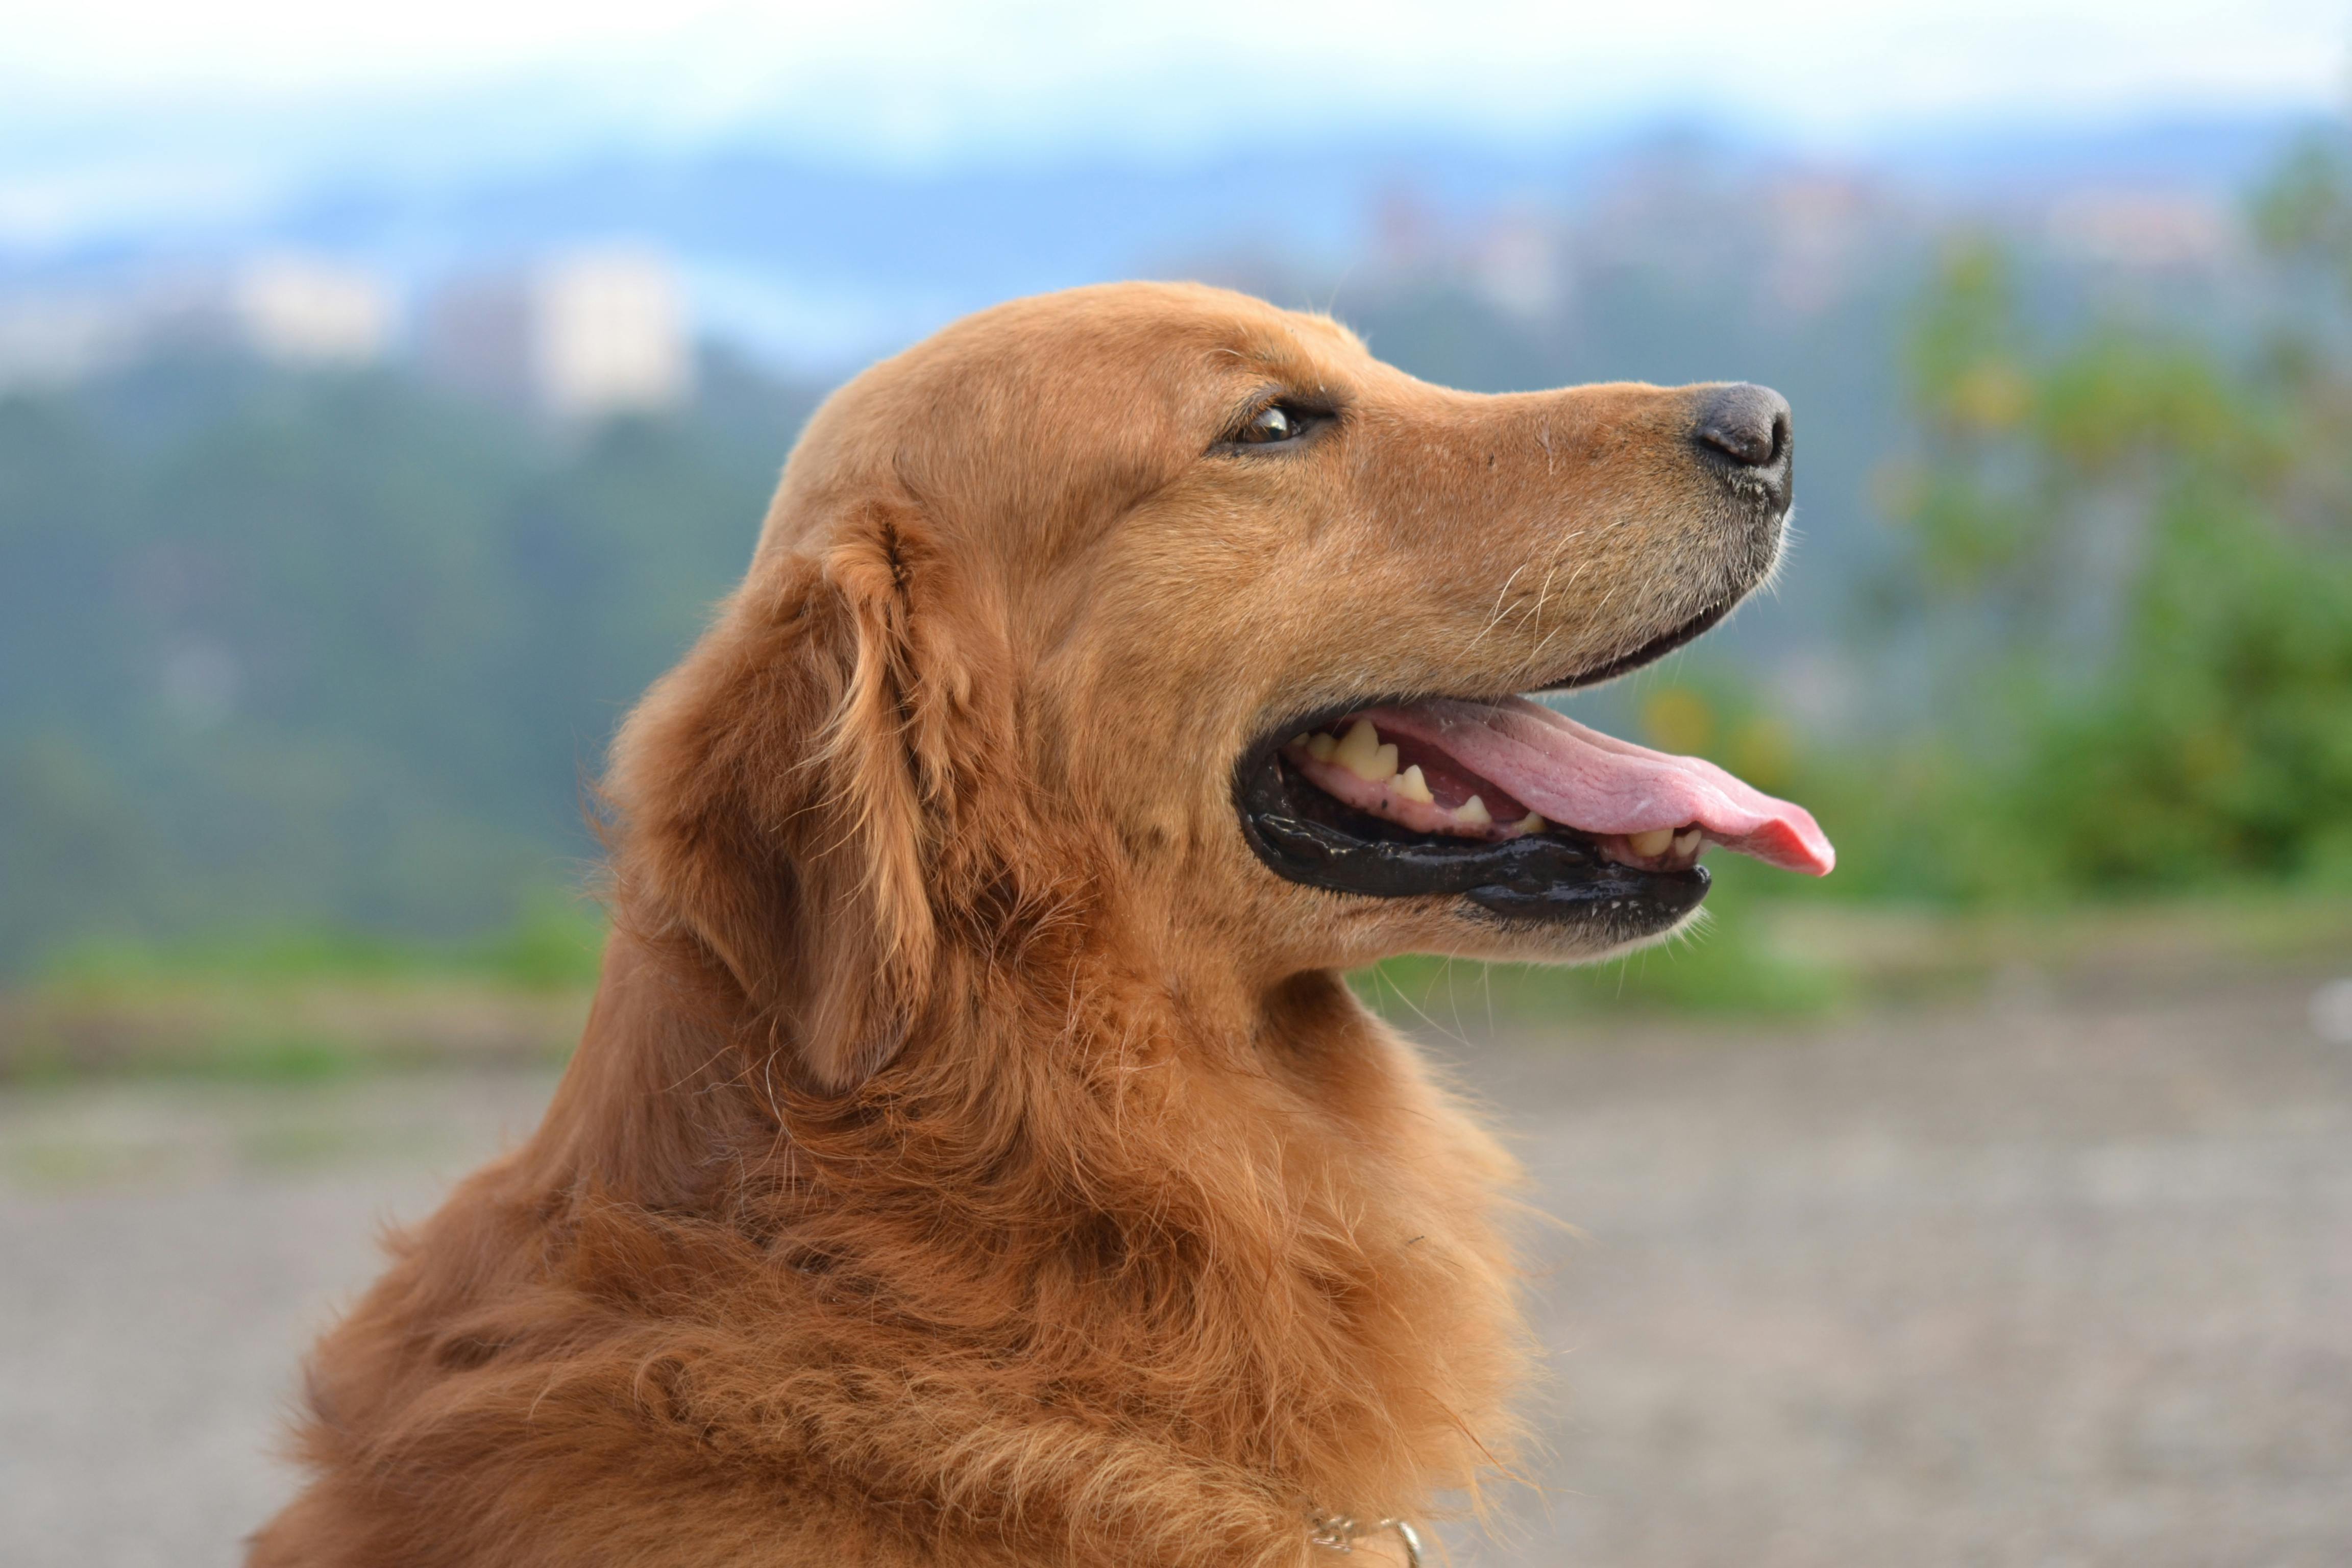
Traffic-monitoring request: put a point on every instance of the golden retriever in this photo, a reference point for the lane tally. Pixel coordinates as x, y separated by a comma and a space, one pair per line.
974, 1155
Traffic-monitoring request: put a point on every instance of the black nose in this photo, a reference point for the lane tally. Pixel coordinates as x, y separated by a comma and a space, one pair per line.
1747, 423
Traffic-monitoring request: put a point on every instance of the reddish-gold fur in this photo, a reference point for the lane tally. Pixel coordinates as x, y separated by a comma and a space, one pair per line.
973, 1156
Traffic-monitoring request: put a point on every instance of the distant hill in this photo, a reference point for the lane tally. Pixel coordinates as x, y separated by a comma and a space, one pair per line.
825, 265
333, 652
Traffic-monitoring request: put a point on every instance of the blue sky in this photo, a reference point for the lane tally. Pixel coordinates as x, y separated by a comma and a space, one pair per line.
115, 111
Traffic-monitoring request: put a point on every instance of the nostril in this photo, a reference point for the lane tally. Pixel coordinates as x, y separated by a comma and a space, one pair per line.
1748, 424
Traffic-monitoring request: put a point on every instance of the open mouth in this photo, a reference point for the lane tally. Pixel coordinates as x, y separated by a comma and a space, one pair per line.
1518, 809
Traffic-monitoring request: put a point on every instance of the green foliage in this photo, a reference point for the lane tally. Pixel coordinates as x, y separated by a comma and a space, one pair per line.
553, 945
2222, 741
2304, 211
2137, 547
332, 652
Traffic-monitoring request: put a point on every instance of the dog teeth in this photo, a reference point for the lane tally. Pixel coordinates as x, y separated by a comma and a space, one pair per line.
1473, 812
1532, 822
1320, 746
1361, 753
1686, 842
1654, 842
1411, 786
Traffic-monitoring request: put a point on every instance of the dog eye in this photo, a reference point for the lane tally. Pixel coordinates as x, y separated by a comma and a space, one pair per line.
1272, 423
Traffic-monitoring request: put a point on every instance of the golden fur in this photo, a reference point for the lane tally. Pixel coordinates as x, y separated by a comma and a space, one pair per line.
973, 1156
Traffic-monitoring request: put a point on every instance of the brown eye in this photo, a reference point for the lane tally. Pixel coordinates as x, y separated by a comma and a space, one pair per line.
1272, 423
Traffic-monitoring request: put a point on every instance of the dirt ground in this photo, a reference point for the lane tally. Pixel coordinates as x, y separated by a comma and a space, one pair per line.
2046, 1282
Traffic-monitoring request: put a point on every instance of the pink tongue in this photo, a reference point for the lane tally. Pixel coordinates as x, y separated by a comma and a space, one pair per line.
1597, 784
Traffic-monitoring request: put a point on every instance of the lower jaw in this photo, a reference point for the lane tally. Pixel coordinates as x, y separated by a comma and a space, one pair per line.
1556, 877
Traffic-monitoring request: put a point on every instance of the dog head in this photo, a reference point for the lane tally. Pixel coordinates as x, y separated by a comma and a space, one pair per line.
1158, 612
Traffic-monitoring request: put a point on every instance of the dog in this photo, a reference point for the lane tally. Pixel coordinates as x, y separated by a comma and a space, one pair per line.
974, 1155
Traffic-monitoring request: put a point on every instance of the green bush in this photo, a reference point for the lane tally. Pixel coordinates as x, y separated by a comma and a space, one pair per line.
2134, 551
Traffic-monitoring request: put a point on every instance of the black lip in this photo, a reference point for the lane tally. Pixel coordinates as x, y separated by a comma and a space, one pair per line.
1306, 835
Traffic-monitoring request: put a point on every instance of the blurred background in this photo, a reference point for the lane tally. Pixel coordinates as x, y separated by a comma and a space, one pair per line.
385, 398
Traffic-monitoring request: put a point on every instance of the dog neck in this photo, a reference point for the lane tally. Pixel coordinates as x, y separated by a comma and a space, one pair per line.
1242, 1252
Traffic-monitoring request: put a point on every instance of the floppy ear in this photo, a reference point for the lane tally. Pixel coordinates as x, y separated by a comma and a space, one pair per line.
782, 794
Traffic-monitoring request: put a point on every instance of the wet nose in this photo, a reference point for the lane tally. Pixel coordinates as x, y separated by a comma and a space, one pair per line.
1746, 424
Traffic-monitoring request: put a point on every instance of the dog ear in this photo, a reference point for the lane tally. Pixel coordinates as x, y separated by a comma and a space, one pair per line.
784, 792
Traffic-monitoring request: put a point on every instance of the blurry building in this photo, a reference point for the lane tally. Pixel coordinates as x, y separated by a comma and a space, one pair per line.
1516, 258
56, 335
292, 309
2146, 231
1821, 231
1520, 264
297, 309
576, 337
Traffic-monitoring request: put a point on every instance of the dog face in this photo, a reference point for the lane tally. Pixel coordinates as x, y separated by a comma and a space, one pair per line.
1196, 603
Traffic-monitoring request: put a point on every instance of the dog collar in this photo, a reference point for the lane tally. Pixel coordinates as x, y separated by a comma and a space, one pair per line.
1338, 1533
